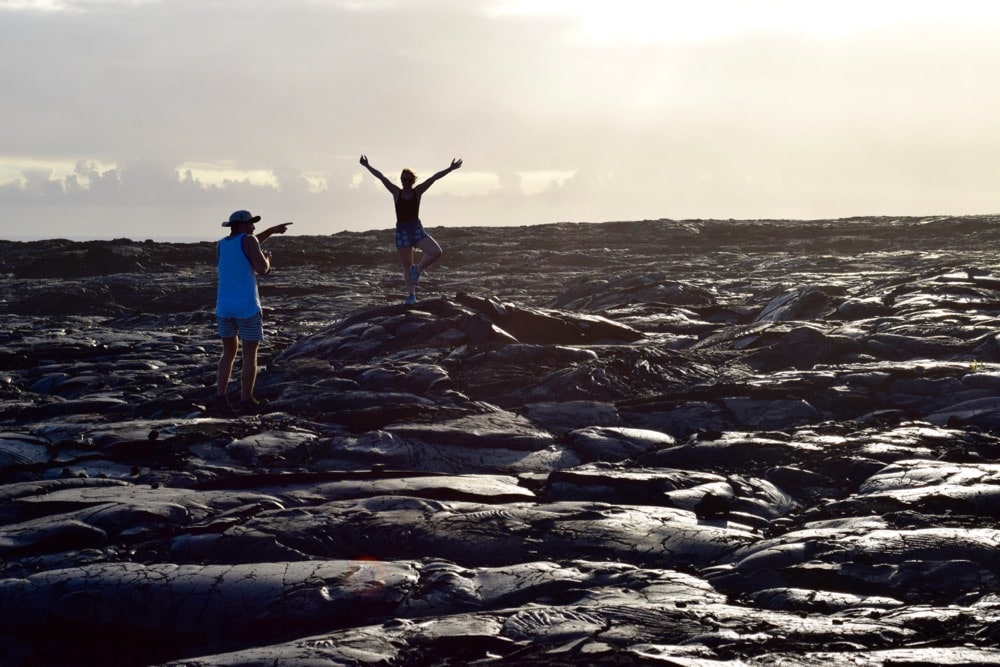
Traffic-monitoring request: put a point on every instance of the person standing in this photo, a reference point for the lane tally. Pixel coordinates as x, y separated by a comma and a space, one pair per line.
240, 260
410, 232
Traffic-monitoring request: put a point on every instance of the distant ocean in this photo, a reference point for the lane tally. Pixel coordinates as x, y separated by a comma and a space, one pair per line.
159, 239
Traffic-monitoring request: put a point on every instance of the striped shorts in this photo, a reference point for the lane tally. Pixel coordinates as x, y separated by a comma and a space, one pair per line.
248, 328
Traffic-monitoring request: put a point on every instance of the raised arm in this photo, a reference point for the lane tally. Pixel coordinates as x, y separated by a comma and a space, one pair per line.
389, 185
277, 229
455, 164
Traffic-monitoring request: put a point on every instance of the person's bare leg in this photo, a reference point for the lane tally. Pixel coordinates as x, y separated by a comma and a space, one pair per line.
431, 252
406, 259
229, 348
248, 374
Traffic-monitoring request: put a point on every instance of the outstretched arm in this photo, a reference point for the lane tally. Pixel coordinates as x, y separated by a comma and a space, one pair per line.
389, 185
277, 229
455, 164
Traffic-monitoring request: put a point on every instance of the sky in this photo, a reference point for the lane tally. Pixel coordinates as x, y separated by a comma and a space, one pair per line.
155, 119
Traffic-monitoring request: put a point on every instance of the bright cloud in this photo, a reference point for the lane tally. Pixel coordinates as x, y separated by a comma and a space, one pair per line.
533, 182
215, 174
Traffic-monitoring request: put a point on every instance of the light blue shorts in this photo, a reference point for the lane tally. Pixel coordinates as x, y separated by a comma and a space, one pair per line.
248, 328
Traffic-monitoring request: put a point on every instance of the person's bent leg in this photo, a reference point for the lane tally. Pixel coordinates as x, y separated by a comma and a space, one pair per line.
431, 252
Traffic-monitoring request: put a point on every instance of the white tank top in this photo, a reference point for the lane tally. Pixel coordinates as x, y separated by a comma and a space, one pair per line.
237, 296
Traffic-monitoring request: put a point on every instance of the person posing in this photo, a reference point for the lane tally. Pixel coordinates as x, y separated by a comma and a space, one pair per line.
240, 260
410, 232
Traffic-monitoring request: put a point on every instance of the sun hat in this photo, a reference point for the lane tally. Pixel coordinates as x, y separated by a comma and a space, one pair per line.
241, 216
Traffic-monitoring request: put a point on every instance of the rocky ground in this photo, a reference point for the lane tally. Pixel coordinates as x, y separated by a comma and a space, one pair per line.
639, 443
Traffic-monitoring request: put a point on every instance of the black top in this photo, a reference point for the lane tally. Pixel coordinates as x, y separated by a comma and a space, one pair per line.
407, 210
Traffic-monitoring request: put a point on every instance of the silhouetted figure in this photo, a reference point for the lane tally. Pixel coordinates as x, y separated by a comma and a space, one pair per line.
410, 232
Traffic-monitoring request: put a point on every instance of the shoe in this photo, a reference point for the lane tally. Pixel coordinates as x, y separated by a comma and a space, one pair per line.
222, 404
415, 274
252, 406
412, 299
